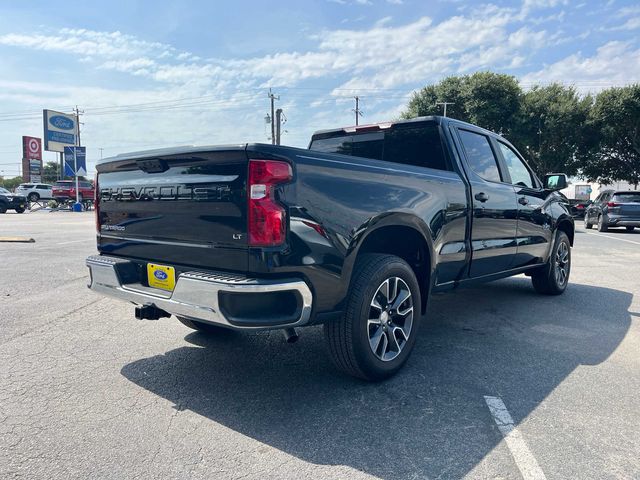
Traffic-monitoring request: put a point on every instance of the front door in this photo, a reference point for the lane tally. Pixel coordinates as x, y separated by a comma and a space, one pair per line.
534, 225
494, 222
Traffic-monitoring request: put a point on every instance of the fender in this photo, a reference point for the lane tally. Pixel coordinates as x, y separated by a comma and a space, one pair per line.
387, 219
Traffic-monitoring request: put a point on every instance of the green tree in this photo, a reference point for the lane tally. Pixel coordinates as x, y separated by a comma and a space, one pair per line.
50, 172
10, 183
551, 128
614, 150
490, 100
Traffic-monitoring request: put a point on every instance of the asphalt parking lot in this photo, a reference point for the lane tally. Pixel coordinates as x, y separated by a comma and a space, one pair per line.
86, 391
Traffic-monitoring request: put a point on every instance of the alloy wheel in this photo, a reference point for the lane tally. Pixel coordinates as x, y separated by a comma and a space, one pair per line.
390, 319
562, 263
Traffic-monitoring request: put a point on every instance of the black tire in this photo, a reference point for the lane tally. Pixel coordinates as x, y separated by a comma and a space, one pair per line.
20, 210
3, 208
630, 229
587, 225
549, 280
602, 227
203, 327
33, 197
350, 339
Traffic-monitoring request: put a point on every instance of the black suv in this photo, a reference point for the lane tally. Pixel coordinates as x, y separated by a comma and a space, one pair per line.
11, 201
614, 208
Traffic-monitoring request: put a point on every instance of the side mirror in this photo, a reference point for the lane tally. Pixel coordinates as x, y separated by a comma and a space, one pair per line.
555, 181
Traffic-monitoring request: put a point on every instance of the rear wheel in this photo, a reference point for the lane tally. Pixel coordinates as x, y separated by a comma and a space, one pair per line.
554, 277
587, 225
630, 229
33, 197
602, 227
202, 327
375, 336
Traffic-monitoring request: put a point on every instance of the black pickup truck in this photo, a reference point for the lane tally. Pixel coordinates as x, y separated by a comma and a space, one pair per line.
354, 232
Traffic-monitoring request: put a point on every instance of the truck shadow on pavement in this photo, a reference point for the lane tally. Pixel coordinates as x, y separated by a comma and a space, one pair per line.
498, 339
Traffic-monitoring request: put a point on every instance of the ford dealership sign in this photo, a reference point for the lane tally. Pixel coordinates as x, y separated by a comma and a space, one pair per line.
60, 130
63, 123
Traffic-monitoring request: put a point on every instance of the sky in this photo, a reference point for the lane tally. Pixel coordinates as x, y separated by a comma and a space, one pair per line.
150, 74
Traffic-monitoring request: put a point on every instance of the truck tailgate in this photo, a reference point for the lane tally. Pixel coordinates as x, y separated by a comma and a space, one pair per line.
183, 209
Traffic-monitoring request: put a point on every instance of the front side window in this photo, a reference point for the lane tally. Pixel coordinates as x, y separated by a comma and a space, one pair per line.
517, 169
480, 155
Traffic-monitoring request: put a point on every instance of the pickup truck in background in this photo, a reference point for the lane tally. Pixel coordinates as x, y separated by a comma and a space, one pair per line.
355, 232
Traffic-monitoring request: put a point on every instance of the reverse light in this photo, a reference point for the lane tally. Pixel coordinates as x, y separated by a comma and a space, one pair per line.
266, 217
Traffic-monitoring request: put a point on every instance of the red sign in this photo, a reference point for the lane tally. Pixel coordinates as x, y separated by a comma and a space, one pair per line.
31, 159
31, 148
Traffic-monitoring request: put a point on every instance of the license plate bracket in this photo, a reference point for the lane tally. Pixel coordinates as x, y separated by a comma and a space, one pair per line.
161, 276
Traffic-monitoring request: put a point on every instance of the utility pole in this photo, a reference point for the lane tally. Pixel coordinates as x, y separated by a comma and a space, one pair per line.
78, 113
273, 98
357, 110
278, 124
445, 106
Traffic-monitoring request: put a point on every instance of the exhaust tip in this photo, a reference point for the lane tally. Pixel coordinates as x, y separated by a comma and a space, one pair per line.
290, 335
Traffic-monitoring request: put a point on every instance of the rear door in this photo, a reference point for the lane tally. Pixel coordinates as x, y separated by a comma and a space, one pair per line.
494, 219
185, 209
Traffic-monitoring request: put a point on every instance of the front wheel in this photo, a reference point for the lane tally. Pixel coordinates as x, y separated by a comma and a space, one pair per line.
20, 210
630, 229
587, 225
375, 336
554, 277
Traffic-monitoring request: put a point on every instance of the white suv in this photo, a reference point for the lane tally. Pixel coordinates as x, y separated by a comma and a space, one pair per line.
35, 191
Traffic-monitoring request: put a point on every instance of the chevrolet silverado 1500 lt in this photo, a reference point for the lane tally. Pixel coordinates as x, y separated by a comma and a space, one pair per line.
354, 232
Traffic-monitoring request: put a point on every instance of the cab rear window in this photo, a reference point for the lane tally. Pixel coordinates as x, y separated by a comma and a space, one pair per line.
408, 144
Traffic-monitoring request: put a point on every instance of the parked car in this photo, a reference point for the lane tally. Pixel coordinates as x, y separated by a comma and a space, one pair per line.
35, 191
64, 190
12, 201
578, 207
614, 208
272, 237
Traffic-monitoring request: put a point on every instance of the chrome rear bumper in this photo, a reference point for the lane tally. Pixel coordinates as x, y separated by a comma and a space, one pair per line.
197, 295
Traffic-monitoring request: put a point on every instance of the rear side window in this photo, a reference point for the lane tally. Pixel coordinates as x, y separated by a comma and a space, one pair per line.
627, 197
480, 155
418, 145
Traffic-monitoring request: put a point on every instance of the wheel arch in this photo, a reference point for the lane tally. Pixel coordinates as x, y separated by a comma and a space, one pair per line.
416, 247
566, 225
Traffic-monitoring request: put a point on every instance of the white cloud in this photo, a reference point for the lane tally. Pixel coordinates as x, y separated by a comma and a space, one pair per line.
615, 63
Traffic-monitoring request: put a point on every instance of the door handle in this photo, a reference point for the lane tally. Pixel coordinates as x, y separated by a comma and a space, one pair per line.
523, 201
481, 197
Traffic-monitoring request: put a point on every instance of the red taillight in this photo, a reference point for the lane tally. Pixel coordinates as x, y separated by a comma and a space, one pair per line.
267, 219
613, 204
96, 204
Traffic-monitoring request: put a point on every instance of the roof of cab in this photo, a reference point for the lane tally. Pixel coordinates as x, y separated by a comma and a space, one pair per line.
440, 120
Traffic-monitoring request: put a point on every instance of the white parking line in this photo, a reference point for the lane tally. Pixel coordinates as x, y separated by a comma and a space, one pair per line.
614, 237
523, 457
75, 241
